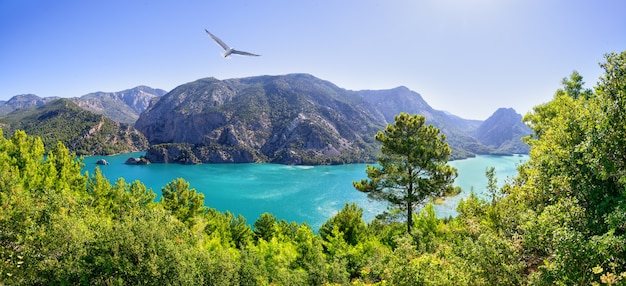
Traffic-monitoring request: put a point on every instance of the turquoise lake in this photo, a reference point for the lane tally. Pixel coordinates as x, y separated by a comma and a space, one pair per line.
310, 194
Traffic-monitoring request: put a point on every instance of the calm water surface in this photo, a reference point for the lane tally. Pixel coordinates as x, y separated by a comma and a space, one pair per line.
309, 194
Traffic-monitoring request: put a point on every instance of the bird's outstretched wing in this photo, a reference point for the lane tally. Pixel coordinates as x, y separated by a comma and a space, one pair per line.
243, 53
218, 41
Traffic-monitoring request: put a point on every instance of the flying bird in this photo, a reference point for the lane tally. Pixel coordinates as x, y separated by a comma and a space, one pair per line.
228, 50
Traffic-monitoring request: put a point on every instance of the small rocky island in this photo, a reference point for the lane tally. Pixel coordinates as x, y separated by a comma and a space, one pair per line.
137, 161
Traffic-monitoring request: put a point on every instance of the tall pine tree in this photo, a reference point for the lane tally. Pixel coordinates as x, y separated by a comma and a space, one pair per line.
413, 166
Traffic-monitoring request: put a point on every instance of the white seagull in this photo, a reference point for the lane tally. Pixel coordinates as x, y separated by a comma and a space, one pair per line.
228, 50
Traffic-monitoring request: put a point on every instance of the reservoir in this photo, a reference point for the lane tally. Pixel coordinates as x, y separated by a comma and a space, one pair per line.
310, 194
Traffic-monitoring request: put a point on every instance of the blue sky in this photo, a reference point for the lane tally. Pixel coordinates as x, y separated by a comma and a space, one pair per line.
468, 57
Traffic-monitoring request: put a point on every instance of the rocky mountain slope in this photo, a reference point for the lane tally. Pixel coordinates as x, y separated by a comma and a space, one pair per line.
296, 119
393, 101
502, 130
82, 131
122, 106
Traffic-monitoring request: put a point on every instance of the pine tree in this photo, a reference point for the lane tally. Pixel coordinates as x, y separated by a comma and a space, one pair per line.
413, 166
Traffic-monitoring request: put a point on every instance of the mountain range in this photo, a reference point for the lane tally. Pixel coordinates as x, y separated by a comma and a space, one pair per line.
292, 119
289, 119
122, 106
300, 119
23, 101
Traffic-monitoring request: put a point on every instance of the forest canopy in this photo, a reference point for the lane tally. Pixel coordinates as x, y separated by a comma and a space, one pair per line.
562, 220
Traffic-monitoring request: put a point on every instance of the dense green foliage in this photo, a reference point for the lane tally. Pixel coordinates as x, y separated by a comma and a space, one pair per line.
562, 221
570, 195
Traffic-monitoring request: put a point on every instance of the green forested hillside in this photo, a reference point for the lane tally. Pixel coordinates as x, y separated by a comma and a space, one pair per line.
82, 131
561, 221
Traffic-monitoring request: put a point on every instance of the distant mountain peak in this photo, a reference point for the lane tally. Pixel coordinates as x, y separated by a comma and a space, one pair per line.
122, 106
22, 97
505, 110
403, 89
23, 101
503, 131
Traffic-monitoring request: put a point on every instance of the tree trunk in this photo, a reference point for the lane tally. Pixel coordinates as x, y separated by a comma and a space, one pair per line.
409, 201
409, 213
